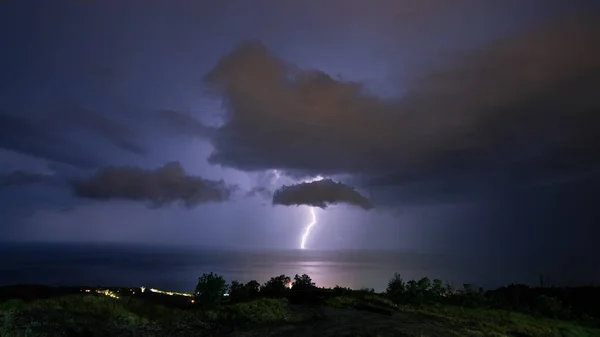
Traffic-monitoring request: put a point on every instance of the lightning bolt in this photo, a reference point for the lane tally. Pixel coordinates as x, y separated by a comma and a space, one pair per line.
313, 215
308, 228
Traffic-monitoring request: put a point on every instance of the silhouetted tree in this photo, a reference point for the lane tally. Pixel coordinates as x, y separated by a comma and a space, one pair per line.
437, 289
210, 289
424, 285
468, 288
253, 288
341, 291
239, 292
276, 286
303, 282
396, 289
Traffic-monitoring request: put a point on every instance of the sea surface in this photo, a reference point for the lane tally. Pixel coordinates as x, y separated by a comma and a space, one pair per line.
177, 268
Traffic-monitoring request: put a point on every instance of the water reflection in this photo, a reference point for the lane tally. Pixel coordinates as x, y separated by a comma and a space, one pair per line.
178, 269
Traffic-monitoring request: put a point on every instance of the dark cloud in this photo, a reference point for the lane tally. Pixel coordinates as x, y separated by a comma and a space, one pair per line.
35, 138
20, 178
180, 123
161, 187
71, 114
523, 104
320, 194
260, 191
55, 134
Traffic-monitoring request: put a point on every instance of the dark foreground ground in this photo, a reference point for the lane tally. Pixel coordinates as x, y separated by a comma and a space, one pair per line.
46, 311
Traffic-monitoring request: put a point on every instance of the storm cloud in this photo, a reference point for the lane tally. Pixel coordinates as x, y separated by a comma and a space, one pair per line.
321, 193
524, 103
175, 122
160, 187
70, 114
20, 178
34, 138
52, 134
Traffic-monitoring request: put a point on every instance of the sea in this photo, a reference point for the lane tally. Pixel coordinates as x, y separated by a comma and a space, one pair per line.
178, 268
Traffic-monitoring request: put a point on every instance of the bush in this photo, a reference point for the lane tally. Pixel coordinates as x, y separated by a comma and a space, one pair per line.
341, 302
469, 297
548, 306
12, 305
210, 289
262, 311
341, 291
423, 291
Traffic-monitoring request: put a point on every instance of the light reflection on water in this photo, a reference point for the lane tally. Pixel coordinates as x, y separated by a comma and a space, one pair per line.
178, 269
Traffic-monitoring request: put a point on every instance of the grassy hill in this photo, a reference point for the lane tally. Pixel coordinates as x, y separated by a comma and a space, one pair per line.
304, 310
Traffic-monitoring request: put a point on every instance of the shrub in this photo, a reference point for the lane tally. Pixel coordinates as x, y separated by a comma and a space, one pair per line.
341, 291
548, 306
379, 301
210, 289
261, 311
470, 298
341, 302
12, 305
365, 291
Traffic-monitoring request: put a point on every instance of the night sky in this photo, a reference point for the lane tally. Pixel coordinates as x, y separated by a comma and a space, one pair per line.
457, 127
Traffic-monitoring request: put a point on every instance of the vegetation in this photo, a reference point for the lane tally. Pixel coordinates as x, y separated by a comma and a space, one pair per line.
210, 289
299, 308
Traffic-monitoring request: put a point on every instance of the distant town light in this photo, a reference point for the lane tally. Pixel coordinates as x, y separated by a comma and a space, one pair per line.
171, 293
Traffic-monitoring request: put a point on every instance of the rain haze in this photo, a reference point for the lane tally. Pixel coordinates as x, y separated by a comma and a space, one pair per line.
378, 135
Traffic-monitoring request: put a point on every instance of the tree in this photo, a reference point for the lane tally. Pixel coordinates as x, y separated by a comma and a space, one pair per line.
210, 289
396, 289
239, 292
437, 289
253, 287
448, 289
424, 285
276, 286
303, 282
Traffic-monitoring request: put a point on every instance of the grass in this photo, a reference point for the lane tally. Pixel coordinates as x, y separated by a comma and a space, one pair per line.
258, 312
492, 322
74, 314
341, 302
348, 313
92, 315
